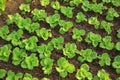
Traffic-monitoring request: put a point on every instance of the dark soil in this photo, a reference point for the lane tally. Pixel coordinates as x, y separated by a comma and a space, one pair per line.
12, 7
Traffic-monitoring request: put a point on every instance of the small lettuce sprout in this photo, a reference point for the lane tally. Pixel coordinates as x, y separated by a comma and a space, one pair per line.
3, 73
118, 33
25, 7
44, 2
80, 17
117, 46
28, 76
55, 5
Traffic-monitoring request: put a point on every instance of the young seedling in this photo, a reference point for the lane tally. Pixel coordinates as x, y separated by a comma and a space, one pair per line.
39, 15
80, 17
2, 73
28, 76
67, 11
44, 2
111, 14
18, 56
5, 52
30, 62
116, 64
104, 59
116, 3
107, 26
77, 34
117, 46
53, 20
75, 2
2, 6
107, 43
64, 67
87, 55
64, 26
83, 73
25, 7
55, 5
94, 21
70, 50
44, 33
118, 33
93, 38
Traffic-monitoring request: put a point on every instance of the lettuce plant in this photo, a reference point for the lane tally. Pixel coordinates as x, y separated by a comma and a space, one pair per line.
18, 56
107, 43
45, 78
29, 44
70, 50
15, 37
30, 62
44, 51
5, 52
4, 30
93, 38
25, 7
83, 73
118, 78
117, 46
86, 5
106, 1
55, 5
80, 17
57, 43
75, 2
12, 76
111, 14
44, 33
116, 3
44, 2
28, 1
28, 76
2, 73
107, 26
78, 33
116, 64
67, 11
94, 21
87, 55
64, 26
2, 6
47, 64
118, 33
53, 20
64, 67
104, 59
102, 75
39, 15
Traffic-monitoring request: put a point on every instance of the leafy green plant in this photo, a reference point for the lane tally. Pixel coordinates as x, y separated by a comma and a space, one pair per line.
70, 50
53, 20
75, 2
80, 17
118, 78
12, 76
18, 56
29, 44
116, 64
64, 26
44, 2
2, 73
117, 46
2, 6
104, 59
93, 38
64, 67
87, 55
47, 64
4, 30
107, 26
83, 72
86, 5
39, 15
30, 62
45, 78
102, 75
5, 52
94, 21
55, 5
67, 11
78, 33
44, 51
118, 33
24, 7
106, 1
111, 14
28, 76
107, 43
44, 33
57, 43
15, 37
116, 3
28, 1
